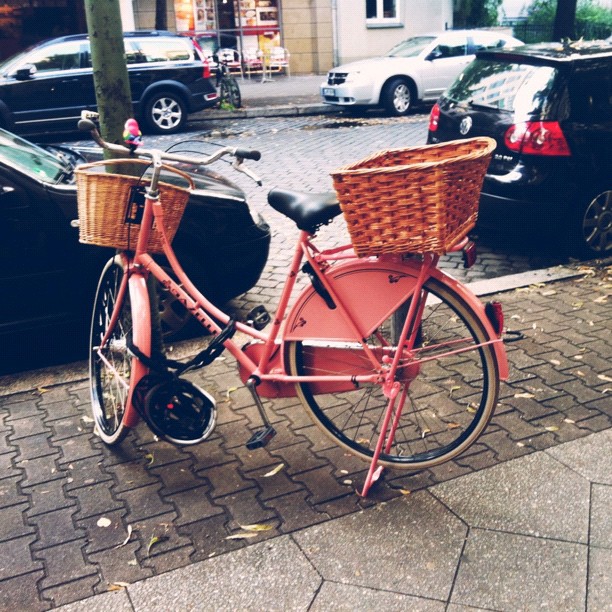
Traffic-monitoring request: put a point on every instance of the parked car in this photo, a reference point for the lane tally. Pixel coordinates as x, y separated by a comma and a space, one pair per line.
46, 86
49, 278
417, 69
549, 107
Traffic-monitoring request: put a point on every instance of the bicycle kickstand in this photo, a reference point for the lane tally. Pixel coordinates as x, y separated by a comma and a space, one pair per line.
386, 433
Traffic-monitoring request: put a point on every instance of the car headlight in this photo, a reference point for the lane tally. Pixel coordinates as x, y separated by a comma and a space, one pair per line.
353, 77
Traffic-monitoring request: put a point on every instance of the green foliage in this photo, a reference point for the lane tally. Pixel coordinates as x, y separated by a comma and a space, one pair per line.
475, 13
543, 11
592, 21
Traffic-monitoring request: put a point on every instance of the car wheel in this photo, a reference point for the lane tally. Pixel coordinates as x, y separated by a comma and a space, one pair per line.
593, 227
165, 112
397, 97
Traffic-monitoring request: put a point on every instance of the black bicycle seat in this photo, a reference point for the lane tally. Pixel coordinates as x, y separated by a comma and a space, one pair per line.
309, 211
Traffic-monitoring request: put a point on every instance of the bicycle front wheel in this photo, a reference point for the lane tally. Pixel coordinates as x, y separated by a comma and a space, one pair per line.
230, 92
449, 386
110, 364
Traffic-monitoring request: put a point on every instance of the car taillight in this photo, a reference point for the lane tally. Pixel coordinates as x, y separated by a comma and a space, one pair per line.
434, 118
537, 138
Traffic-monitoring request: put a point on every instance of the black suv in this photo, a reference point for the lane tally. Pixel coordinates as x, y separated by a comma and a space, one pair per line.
47, 86
549, 106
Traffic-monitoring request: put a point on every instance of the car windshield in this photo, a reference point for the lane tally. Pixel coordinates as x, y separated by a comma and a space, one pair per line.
30, 159
411, 47
495, 84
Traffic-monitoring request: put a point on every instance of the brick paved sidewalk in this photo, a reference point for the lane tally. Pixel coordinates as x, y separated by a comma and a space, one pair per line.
80, 519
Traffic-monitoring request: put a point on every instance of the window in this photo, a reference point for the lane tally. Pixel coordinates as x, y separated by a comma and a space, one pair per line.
63, 56
381, 11
164, 50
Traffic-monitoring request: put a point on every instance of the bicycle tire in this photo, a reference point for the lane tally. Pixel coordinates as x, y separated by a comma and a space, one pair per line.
449, 400
109, 396
230, 92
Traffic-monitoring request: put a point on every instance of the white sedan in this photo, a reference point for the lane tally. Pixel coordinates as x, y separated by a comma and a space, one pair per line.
417, 69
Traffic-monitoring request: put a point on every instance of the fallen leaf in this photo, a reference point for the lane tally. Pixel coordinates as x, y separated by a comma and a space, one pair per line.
555, 362
549, 292
129, 535
601, 300
604, 377
552, 428
577, 305
471, 409
453, 425
86, 419
276, 470
156, 540
257, 527
133, 562
363, 441
520, 444
568, 421
118, 586
41, 390
607, 390
347, 482
104, 522
230, 390
425, 432
524, 395
241, 536
405, 491
150, 458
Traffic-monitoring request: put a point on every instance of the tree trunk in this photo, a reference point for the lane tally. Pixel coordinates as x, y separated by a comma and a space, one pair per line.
110, 73
565, 20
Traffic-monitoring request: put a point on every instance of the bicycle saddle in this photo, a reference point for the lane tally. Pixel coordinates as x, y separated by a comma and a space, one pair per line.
309, 211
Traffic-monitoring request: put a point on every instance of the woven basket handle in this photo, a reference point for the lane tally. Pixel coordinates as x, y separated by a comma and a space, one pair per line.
114, 162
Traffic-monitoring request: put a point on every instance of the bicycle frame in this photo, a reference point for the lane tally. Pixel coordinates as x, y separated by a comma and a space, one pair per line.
391, 281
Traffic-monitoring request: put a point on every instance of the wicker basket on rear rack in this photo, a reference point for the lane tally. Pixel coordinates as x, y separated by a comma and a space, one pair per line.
413, 200
107, 210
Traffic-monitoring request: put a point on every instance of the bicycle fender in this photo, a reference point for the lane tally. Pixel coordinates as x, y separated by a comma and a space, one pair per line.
141, 338
372, 289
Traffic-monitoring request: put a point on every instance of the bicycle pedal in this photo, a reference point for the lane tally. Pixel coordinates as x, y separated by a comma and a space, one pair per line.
260, 438
258, 317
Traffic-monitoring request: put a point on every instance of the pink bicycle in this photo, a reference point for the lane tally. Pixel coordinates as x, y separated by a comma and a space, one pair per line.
392, 358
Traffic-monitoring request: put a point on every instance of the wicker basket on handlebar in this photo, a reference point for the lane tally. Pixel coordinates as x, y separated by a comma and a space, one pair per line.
413, 200
108, 210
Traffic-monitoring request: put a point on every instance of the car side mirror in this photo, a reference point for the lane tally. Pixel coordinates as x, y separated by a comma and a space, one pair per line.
27, 71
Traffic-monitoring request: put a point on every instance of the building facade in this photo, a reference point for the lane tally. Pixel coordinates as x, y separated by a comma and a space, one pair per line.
318, 34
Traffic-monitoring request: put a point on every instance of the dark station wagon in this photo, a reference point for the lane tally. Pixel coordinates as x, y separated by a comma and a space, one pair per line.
48, 85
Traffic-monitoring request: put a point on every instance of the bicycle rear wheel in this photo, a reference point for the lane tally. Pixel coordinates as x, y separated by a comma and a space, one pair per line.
110, 365
451, 386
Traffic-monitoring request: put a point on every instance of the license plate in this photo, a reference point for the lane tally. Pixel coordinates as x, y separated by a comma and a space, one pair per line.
328, 91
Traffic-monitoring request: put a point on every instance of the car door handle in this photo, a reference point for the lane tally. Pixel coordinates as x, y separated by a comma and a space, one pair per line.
4, 189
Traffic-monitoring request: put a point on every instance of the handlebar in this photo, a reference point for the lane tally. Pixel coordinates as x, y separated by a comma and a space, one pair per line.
157, 156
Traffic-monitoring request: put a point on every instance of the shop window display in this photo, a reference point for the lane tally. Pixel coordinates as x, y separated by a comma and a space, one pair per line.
253, 24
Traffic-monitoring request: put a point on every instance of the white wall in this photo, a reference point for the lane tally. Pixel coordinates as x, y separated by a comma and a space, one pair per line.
355, 41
